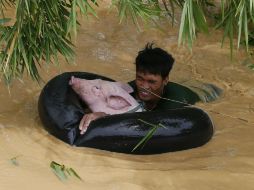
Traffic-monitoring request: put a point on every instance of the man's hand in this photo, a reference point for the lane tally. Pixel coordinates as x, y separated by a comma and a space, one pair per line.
87, 118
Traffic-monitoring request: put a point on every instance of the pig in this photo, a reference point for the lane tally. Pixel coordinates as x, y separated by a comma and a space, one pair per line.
105, 96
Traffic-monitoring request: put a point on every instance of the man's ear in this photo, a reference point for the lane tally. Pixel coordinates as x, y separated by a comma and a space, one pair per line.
165, 80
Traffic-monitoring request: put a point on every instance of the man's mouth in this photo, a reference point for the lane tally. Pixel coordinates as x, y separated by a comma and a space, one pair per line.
144, 93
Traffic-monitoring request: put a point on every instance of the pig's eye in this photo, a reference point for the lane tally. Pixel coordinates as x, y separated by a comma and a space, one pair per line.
96, 88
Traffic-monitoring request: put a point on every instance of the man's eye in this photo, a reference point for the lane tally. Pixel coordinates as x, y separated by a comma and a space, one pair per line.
97, 87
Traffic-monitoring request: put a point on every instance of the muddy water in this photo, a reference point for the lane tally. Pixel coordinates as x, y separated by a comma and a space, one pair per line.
107, 48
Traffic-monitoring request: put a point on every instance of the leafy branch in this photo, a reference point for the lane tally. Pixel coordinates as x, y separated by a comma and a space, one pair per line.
237, 17
192, 18
145, 10
42, 30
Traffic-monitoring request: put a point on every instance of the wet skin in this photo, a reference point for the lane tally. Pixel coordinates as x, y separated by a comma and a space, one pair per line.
146, 83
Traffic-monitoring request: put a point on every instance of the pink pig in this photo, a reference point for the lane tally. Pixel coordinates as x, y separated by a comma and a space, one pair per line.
105, 96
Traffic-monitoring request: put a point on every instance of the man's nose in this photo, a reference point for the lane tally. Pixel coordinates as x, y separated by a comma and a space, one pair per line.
145, 85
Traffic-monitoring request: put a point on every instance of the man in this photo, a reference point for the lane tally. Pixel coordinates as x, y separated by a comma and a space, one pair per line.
152, 69
151, 87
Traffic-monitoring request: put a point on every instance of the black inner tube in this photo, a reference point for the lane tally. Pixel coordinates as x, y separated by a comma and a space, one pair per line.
60, 110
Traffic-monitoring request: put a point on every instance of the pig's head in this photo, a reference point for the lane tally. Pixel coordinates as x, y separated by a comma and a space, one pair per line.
88, 90
105, 96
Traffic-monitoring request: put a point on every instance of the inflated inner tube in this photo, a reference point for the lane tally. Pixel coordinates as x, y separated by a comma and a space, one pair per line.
60, 110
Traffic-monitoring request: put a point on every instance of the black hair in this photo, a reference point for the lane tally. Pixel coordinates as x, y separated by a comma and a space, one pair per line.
154, 60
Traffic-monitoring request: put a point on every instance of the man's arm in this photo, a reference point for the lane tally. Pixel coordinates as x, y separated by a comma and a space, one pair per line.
87, 118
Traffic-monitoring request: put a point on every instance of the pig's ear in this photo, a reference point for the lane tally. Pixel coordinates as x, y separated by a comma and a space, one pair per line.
117, 102
125, 86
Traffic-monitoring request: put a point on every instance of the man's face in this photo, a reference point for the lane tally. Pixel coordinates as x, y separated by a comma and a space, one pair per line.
150, 82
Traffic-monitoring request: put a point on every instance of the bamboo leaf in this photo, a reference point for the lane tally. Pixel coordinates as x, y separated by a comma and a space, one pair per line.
149, 135
74, 173
182, 24
58, 170
90, 8
199, 18
63, 172
246, 31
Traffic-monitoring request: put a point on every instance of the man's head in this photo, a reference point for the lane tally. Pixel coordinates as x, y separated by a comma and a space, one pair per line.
152, 68
154, 61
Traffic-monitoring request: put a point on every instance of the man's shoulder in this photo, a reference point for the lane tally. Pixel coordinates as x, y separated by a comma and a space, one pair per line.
180, 93
176, 96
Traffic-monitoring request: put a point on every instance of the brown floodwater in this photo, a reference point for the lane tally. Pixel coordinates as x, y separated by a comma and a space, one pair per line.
105, 47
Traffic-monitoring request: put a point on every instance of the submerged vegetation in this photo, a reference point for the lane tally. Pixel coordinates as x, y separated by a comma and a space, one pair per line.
14, 160
63, 172
44, 29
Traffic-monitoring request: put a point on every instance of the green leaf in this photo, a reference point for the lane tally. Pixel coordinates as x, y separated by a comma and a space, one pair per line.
74, 173
149, 135
58, 170
63, 172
